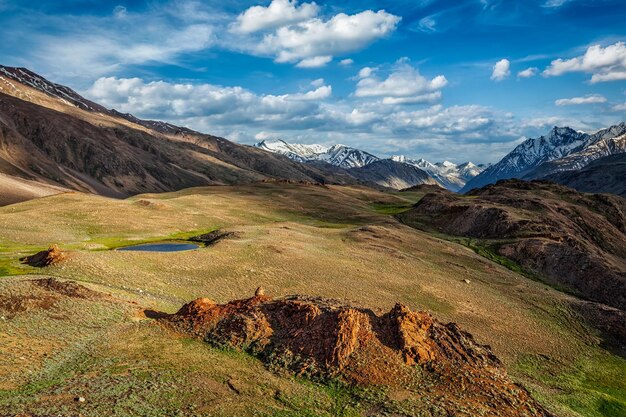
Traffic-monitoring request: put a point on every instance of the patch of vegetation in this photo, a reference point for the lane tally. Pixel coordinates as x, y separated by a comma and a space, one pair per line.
594, 386
391, 208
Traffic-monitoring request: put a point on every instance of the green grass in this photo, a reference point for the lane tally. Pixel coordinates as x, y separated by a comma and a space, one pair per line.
391, 208
593, 386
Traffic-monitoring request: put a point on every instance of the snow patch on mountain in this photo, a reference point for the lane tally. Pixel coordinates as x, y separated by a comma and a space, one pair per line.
558, 144
338, 155
447, 174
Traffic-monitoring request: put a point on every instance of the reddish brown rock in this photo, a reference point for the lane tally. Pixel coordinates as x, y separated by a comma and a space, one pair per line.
325, 338
51, 256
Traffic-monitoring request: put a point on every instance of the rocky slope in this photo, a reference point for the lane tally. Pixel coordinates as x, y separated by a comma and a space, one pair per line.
324, 339
606, 146
392, 174
572, 240
450, 176
561, 149
604, 175
51, 135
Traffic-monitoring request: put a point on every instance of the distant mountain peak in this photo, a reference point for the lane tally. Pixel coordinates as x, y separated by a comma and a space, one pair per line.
446, 173
338, 155
560, 144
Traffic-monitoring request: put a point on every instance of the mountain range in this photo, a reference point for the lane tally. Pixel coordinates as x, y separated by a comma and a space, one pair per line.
561, 150
446, 174
52, 138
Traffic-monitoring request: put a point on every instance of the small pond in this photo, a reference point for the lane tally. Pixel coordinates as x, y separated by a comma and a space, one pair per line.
161, 247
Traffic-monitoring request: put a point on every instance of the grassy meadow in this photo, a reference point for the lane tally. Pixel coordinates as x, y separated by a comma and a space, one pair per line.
339, 242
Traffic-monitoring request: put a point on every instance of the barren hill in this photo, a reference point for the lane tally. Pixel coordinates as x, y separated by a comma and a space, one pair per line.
51, 135
574, 240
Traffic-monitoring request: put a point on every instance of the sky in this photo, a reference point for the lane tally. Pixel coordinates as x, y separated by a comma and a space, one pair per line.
434, 79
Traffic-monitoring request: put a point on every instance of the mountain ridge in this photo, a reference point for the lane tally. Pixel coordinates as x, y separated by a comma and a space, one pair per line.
447, 174
562, 149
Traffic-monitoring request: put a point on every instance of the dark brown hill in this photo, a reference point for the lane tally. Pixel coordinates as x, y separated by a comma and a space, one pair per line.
604, 175
573, 240
58, 144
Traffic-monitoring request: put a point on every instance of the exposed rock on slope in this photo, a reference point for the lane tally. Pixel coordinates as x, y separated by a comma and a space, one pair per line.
326, 338
51, 256
604, 175
392, 174
574, 240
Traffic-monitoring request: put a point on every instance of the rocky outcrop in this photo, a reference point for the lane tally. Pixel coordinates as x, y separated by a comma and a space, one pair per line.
51, 256
325, 338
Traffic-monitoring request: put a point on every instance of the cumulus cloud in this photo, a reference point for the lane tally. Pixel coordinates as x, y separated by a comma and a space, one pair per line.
240, 114
501, 70
604, 63
590, 99
346, 62
528, 72
405, 85
316, 41
319, 93
160, 99
278, 13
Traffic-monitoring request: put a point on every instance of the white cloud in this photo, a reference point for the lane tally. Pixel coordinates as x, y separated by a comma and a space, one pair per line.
590, 99
120, 12
315, 40
528, 72
366, 72
161, 99
346, 62
278, 13
619, 107
241, 114
314, 62
403, 86
501, 70
554, 3
264, 135
93, 46
320, 93
605, 64
427, 24
318, 82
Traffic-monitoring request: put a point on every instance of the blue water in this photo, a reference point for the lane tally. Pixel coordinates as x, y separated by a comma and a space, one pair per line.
161, 247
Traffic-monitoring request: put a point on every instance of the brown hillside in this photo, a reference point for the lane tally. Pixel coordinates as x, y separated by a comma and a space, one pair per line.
574, 240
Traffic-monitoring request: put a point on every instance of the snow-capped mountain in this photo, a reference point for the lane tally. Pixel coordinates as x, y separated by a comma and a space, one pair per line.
338, 155
607, 142
447, 174
560, 143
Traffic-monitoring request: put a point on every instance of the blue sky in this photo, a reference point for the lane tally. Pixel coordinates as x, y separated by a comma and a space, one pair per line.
455, 80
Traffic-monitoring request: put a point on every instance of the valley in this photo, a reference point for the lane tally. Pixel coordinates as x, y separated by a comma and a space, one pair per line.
150, 269
326, 241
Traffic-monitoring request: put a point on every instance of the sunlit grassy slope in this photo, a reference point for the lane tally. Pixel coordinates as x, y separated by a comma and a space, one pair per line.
339, 242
